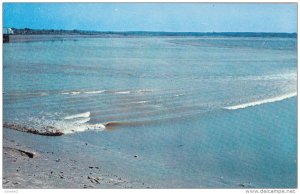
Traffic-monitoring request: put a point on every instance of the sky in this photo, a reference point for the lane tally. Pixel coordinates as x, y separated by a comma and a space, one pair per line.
170, 17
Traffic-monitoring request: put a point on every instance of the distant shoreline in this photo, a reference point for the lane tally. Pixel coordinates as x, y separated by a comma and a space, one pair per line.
28, 31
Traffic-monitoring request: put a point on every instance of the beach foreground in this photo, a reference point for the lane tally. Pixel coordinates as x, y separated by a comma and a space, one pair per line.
48, 167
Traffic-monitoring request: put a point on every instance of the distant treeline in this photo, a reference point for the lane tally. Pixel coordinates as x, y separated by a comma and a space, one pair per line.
28, 31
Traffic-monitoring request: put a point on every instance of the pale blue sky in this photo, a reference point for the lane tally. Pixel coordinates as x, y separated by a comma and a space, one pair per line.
177, 17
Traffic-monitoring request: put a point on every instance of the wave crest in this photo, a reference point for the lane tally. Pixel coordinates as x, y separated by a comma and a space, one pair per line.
80, 115
259, 102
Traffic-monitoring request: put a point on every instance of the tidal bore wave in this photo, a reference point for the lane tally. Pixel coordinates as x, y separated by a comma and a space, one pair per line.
264, 101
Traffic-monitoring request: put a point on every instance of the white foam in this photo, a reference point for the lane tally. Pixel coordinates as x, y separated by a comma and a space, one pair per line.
44, 94
141, 102
80, 120
71, 93
94, 92
84, 115
259, 102
98, 126
283, 76
123, 92
74, 93
67, 125
67, 129
177, 95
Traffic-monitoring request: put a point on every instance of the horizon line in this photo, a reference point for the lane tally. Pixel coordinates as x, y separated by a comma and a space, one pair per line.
153, 31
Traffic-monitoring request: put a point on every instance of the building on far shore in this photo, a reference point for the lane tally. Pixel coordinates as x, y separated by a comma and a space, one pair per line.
6, 32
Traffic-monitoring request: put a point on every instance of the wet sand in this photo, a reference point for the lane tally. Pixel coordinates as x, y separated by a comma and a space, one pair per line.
46, 166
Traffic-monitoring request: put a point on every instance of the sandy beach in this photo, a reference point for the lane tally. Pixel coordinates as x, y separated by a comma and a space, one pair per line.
48, 167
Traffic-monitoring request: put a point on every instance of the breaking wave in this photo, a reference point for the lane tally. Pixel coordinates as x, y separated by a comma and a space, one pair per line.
56, 127
123, 92
94, 92
72, 93
76, 92
81, 115
259, 102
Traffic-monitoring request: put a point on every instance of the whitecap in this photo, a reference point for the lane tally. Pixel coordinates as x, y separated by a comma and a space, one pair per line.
264, 101
71, 93
80, 120
123, 92
85, 115
75, 128
141, 102
94, 92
